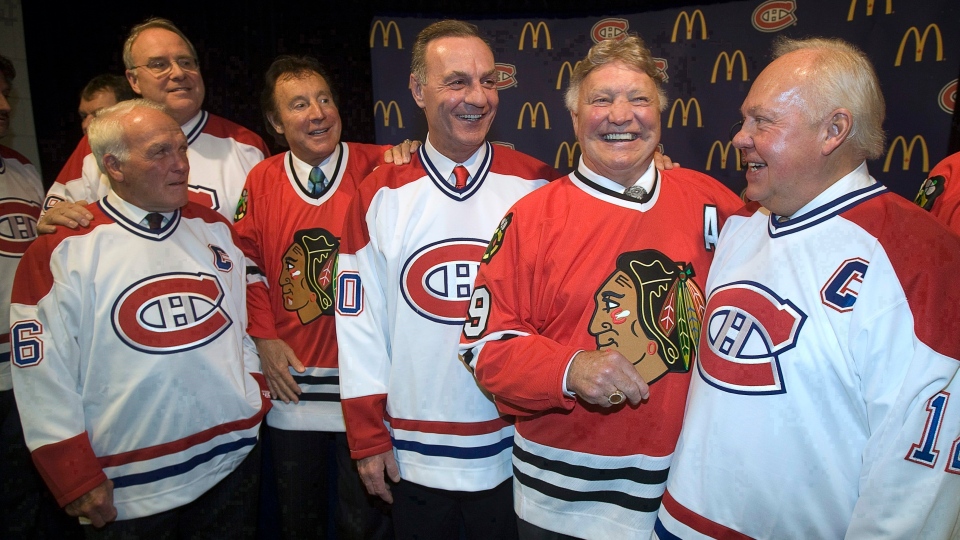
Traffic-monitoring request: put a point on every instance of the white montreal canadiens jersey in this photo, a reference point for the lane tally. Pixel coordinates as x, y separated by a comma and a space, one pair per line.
825, 399
131, 361
410, 251
20, 194
221, 154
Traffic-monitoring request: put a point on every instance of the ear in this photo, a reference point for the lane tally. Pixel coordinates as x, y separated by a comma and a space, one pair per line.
838, 128
277, 126
132, 79
417, 90
112, 165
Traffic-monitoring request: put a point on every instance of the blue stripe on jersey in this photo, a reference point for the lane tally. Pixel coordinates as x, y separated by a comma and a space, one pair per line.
663, 533
180, 468
4, 357
476, 452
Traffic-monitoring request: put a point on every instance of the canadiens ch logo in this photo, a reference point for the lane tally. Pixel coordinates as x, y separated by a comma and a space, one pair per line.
18, 225
437, 280
609, 29
506, 76
748, 327
170, 313
774, 15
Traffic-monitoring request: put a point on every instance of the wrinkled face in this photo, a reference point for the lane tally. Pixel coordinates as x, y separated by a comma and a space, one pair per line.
4, 106
308, 118
89, 107
459, 96
779, 145
616, 323
293, 279
617, 122
180, 90
154, 176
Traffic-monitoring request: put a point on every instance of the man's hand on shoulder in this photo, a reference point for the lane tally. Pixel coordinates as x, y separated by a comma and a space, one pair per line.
402, 153
372, 471
663, 161
64, 214
95, 505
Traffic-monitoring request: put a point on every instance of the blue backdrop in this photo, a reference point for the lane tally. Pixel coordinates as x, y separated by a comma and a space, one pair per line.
710, 55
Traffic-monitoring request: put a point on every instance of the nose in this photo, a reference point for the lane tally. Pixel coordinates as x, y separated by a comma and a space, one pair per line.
176, 72
476, 95
86, 123
739, 136
620, 112
4, 103
316, 111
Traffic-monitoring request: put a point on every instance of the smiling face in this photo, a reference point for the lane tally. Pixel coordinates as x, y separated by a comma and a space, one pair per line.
780, 146
154, 175
180, 91
307, 117
459, 95
617, 121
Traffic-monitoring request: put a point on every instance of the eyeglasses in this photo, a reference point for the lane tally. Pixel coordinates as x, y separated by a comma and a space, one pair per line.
161, 67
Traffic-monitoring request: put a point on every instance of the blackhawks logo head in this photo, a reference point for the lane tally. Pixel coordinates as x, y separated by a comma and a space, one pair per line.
307, 275
241, 206
650, 310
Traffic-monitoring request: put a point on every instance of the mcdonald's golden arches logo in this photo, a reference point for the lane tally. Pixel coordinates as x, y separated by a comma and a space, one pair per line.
535, 34
506, 76
908, 149
386, 112
853, 8
774, 15
609, 29
730, 60
569, 69
685, 111
689, 20
535, 111
571, 151
920, 42
724, 154
385, 32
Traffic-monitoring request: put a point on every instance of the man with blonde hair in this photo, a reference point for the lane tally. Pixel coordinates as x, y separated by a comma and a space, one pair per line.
820, 406
587, 307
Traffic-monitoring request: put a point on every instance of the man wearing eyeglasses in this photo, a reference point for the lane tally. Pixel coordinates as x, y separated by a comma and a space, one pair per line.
162, 66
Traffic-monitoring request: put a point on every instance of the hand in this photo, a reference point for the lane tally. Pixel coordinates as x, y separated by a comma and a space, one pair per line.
371, 472
95, 505
275, 357
595, 375
401, 153
66, 214
663, 162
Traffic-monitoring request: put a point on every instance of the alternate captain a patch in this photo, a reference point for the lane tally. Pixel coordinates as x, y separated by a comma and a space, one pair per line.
241, 207
929, 191
650, 310
497, 239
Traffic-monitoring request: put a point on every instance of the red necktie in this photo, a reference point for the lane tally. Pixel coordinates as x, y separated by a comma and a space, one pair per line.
461, 173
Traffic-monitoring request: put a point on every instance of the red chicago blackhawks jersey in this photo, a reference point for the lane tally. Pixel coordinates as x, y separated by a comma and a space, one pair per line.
293, 239
576, 267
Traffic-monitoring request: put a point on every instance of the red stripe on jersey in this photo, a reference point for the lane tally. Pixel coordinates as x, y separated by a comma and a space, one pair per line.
173, 447
449, 428
926, 258
699, 523
69, 467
